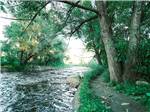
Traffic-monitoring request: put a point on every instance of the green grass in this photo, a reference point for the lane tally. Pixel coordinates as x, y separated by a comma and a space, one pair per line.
140, 93
89, 102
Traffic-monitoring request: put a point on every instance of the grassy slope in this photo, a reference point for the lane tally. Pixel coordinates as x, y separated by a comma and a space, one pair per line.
89, 102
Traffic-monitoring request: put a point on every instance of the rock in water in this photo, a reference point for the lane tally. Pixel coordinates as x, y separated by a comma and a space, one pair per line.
73, 81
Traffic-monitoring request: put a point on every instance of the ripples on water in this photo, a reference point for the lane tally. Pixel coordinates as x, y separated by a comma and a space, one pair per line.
37, 92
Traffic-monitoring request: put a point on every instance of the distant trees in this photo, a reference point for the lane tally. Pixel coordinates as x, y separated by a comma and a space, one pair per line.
37, 44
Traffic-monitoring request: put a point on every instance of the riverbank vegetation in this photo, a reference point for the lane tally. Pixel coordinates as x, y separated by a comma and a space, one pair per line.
37, 46
88, 101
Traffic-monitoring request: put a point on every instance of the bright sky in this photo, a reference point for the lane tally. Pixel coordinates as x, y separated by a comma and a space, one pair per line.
77, 52
3, 23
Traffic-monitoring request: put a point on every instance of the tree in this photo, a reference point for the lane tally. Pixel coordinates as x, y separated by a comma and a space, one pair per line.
31, 47
114, 66
134, 40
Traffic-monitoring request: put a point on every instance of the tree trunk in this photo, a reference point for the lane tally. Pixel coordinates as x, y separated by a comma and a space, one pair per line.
97, 54
114, 66
28, 58
21, 57
133, 41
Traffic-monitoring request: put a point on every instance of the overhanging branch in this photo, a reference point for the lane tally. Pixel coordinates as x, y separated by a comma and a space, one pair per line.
67, 2
69, 11
35, 16
84, 21
79, 6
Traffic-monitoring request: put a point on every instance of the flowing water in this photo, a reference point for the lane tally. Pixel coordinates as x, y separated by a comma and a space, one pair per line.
46, 91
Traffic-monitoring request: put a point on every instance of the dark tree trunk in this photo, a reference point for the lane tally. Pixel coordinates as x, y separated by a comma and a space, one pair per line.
96, 49
97, 54
47, 61
28, 58
133, 41
114, 66
21, 57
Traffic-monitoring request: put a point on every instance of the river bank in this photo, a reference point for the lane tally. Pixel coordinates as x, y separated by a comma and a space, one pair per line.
97, 94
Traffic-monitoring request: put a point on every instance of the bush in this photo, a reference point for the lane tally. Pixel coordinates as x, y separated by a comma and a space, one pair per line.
105, 76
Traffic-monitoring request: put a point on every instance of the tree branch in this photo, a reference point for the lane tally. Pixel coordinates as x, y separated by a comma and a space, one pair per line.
20, 19
69, 11
79, 6
67, 2
87, 20
35, 16
29, 57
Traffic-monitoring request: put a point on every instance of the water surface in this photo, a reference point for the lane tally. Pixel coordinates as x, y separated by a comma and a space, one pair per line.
45, 91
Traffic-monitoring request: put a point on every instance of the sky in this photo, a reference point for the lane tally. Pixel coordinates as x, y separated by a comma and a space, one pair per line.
77, 52
3, 24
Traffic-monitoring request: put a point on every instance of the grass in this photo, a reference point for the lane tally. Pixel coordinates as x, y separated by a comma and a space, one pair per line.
88, 101
91, 103
140, 93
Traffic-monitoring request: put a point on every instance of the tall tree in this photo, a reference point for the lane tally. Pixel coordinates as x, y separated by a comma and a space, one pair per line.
134, 39
114, 66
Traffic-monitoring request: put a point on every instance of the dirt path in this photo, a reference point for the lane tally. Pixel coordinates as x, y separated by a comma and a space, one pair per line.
118, 102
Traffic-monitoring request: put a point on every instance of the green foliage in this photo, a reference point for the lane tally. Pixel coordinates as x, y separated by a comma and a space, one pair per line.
143, 66
95, 66
26, 9
89, 102
38, 45
14, 31
100, 69
105, 76
2, 7
49, 22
